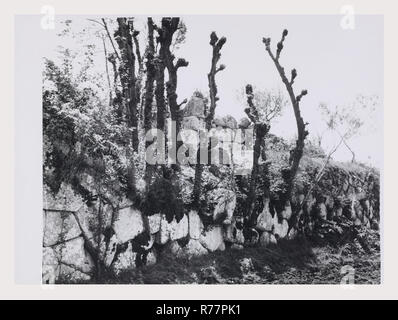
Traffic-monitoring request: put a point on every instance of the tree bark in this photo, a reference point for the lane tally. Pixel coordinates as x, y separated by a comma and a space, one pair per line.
302, 133
149, 90
260, 129
168, 27
127, 76
217, 45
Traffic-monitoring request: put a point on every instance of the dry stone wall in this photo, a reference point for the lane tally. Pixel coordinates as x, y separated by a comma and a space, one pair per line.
131, 238
136, 239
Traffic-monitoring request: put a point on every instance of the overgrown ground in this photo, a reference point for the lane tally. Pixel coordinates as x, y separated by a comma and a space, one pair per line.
289, 262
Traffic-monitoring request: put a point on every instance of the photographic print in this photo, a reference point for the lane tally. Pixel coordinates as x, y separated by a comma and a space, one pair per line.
212, 149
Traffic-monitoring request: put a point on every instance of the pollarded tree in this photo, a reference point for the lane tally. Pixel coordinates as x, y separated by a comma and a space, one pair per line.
169, 27
302, 133
217, 45
269, 103
264, 106
127, 74
261, 128
149, 89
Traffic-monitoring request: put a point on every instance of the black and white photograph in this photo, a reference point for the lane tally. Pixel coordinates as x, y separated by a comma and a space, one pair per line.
212, 149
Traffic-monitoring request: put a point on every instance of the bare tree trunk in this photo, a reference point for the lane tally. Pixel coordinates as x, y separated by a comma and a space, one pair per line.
107, 72
128, 77
168, 28
261, 129
128, 80
302, 133
217, 45
117, 101
149, 88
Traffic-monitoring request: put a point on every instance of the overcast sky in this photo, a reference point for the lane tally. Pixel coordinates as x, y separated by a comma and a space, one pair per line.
333, 64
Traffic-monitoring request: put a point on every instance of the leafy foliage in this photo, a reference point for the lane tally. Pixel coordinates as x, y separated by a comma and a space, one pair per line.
80, 132
270, 103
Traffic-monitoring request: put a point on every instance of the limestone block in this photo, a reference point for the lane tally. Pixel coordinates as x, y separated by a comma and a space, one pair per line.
125, 260
73, 254
179, 229
212, 239
164, 231
66, 199
129, 224
195, 225
154, 223
50, 266
265, 221
59, 227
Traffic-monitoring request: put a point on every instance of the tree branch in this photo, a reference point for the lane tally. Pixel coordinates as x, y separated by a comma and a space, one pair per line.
295, 101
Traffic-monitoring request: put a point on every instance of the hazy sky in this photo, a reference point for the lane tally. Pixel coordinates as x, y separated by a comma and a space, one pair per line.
333, 64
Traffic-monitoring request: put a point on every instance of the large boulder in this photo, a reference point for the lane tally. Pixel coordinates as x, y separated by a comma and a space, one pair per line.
192, 249
50, 267
129, 224
125, 259
66, 199
195, 225
173, 230
73, 254
218, 121
153, 222
179, 229
163, 236
70, 274
212, 239
68, 261
244, 123
59, 227
230, 122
